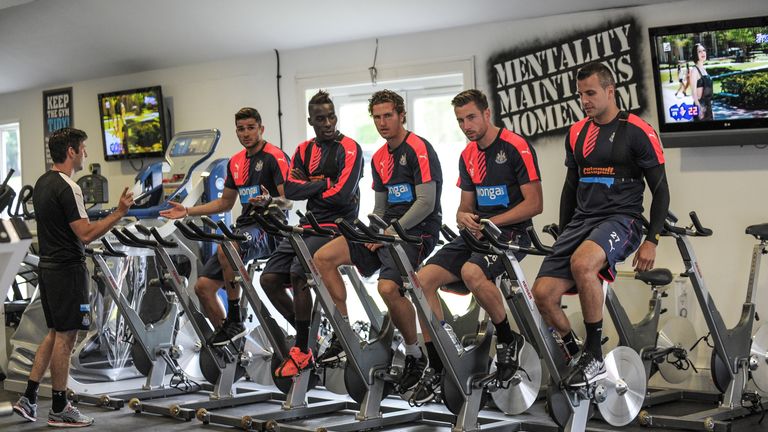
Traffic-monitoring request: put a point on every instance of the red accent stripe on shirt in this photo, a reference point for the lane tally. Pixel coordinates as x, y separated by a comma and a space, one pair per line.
350, 157
522, 147
420, 148
297, 157
591, 140
575, 130
653, 137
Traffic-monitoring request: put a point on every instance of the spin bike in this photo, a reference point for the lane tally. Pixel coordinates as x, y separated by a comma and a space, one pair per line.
618, 397
221, 366
665, 350
736, 357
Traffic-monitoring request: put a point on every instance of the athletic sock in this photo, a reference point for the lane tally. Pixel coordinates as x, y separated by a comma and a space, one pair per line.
504, 333
233, 311
31, 391
59, 400
434, 358
593, 343
569, 341
413, 350
302, 336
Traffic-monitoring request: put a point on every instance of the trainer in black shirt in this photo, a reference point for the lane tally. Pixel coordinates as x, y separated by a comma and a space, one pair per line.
63, 229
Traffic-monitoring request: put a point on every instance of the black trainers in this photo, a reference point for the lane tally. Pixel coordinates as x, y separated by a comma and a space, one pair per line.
427, 388
228, 333
587, 370
334, 353
508, 360
413, 371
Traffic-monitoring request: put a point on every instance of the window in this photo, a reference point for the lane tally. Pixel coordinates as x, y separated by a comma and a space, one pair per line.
10, 155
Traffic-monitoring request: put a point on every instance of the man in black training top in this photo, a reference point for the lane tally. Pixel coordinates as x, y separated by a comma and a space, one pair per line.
499, 180
256, 174
63, 229
608, 154
325, 171
407, 181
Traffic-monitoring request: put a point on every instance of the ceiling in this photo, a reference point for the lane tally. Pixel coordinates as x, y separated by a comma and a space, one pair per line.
50, 42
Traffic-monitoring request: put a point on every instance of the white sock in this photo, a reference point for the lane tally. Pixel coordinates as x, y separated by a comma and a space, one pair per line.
413, 350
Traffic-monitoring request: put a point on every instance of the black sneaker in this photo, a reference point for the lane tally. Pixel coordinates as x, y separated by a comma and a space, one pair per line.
427, 388
587, 370
413, 371
334, 353
228, 333
508, 359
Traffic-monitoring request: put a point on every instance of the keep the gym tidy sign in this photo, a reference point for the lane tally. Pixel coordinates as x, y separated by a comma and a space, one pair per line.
533, 88
57, 114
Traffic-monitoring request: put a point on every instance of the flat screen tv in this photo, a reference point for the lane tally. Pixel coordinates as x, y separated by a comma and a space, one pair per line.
133, 123
711, 82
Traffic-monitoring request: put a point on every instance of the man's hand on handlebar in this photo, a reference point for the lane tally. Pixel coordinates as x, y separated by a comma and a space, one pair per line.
470, 221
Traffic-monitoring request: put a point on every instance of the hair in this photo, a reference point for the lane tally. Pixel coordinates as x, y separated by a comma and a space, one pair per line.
61, 140
320, 98
384, 96
695, 54
468, 96
246, 113
604, 74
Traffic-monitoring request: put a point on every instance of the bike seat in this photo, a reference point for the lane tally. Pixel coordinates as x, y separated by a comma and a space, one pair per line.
455, 288
655, 277
760, 231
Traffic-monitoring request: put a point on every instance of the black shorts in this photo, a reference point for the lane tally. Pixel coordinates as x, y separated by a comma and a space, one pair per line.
257, 245
285, 261
618, 235
368, 262
64, 296
455, 254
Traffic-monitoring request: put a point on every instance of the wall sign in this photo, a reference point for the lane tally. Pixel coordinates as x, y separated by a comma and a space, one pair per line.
57, 114
533, 88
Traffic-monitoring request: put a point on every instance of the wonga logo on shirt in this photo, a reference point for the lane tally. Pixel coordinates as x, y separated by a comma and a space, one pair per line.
400, 193
488, 196
248, 192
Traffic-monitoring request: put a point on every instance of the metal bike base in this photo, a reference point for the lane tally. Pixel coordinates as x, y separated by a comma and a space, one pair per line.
118, 400
185, 407
702, 413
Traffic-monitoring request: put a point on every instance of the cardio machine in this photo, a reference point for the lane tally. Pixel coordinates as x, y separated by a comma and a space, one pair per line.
736, 355
618, 397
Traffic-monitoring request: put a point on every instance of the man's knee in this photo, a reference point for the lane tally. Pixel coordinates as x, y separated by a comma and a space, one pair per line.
544, 297
428, 278
583, 266
389, 290
205, 287
472, 275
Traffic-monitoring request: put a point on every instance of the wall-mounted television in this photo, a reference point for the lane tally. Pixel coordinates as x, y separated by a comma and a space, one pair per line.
133, 123
711, 82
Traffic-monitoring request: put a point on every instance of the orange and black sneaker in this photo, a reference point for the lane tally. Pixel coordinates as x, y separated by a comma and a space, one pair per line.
296, 362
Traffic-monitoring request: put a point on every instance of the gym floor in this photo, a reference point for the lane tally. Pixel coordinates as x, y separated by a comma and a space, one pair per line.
126, 420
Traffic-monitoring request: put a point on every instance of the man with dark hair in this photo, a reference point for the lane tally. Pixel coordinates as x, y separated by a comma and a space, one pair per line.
256, 174
325, 171
407, 180
608, 153
499, 180
63, 229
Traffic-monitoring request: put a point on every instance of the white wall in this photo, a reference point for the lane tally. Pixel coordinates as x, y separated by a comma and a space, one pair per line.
727, 186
